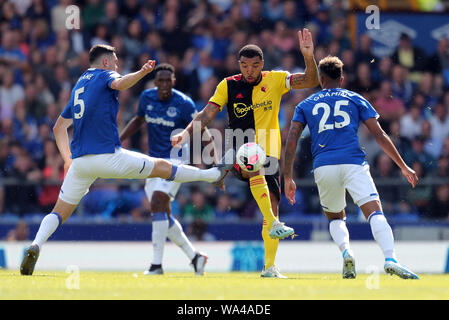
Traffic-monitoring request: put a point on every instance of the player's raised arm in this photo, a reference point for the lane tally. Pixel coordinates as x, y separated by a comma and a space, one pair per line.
203, 118
309, 78
388, 147
129, 80
294, 133
62, 140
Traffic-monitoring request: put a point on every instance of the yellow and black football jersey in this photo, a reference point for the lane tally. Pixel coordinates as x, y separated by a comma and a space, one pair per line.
255, 107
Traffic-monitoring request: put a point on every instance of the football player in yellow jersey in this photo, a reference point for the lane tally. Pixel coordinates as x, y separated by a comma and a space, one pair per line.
253, 100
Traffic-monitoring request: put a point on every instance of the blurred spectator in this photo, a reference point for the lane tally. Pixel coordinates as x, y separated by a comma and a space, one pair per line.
223, 209
290, 15
339, 35
363, 83
420, 195
445, 148
19, 233
439, 206
58, 15
22, 198
364, 53
442, 169
401, 85
174, 39
112, 19
439, 62
256, 21
432, 144
10, 53
388, 107
92, 14
10, 94
411, 122
440, 122
401, 142
52, 167
389, 194
408, 55
349, 65
418, 154
319, 15
198, 208
274, 9
383, 72
426, 88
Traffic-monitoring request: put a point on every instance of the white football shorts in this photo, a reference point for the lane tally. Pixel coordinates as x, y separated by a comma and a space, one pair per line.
334, 180
158, 184
122, 164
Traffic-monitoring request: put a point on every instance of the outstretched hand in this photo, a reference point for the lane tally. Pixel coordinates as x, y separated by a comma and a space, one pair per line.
305, 42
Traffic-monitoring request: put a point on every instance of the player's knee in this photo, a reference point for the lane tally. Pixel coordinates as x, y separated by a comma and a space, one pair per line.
162, 169
160, 202
335, 215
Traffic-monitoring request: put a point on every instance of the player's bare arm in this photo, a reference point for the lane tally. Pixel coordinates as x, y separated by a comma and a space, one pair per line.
204, 117
62, 140
388, 147
132, 127
309, 78
129, 80
294, 133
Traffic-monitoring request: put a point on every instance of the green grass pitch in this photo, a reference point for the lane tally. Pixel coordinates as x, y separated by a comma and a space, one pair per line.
89, 285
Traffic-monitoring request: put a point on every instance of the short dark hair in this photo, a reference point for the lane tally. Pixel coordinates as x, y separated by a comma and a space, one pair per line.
164, 67
251, 51
98, 50
331, 66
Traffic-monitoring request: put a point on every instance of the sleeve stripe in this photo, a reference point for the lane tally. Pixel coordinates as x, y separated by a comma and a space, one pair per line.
215, 104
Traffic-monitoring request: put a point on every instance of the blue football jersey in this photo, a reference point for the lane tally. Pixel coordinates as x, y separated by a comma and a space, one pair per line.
333, 117
162, 117
93, 106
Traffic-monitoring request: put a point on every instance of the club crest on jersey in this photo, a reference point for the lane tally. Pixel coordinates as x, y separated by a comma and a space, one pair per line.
171, 112
149, 107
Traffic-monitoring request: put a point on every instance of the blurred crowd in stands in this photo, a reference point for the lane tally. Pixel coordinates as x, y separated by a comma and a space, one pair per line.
40, 60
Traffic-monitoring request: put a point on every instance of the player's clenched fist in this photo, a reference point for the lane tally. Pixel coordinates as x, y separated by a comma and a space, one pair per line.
148, 66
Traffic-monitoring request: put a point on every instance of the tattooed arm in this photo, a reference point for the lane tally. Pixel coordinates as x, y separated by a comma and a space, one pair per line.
294, 133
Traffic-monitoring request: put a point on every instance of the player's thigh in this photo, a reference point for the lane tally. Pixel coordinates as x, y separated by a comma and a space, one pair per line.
330, 188
76, 183
359, 183
123, 164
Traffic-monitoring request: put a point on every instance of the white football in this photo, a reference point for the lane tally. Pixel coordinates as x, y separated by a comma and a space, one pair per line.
251, 157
